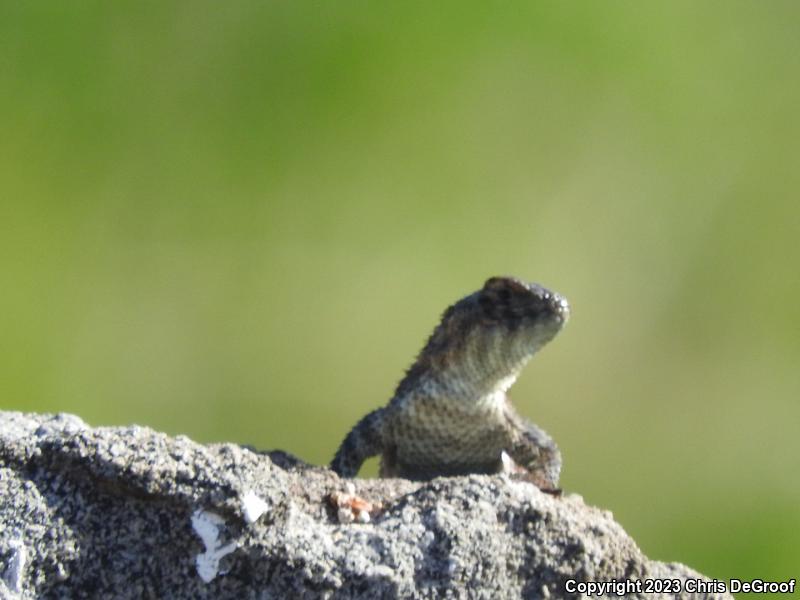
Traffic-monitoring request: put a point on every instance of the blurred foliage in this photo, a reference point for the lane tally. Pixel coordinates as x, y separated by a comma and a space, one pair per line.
241, 220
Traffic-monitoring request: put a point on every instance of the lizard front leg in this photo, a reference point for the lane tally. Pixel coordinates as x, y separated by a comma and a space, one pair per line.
365, 440
532, 448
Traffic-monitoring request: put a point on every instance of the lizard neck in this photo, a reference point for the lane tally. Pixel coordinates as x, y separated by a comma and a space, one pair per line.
477, 372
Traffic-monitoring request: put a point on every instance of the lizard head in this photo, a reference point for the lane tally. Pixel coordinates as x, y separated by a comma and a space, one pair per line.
488, 336
520, 308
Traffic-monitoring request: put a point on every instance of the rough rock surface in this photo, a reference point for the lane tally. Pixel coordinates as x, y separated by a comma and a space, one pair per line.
133, 513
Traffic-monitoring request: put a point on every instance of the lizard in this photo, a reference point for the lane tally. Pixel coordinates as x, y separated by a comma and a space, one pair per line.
450, 415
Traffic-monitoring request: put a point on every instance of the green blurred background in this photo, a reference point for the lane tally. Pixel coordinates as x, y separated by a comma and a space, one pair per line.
240, 221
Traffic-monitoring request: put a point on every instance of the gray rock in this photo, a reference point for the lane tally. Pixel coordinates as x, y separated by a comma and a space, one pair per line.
133, 513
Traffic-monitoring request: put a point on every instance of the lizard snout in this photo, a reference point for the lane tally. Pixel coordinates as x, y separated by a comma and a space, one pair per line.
560, 307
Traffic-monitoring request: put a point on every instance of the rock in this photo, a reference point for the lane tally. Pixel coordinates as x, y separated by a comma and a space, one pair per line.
133, 513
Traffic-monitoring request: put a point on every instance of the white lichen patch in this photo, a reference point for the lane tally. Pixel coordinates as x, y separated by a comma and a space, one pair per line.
16, 566
207, 525
253, 506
